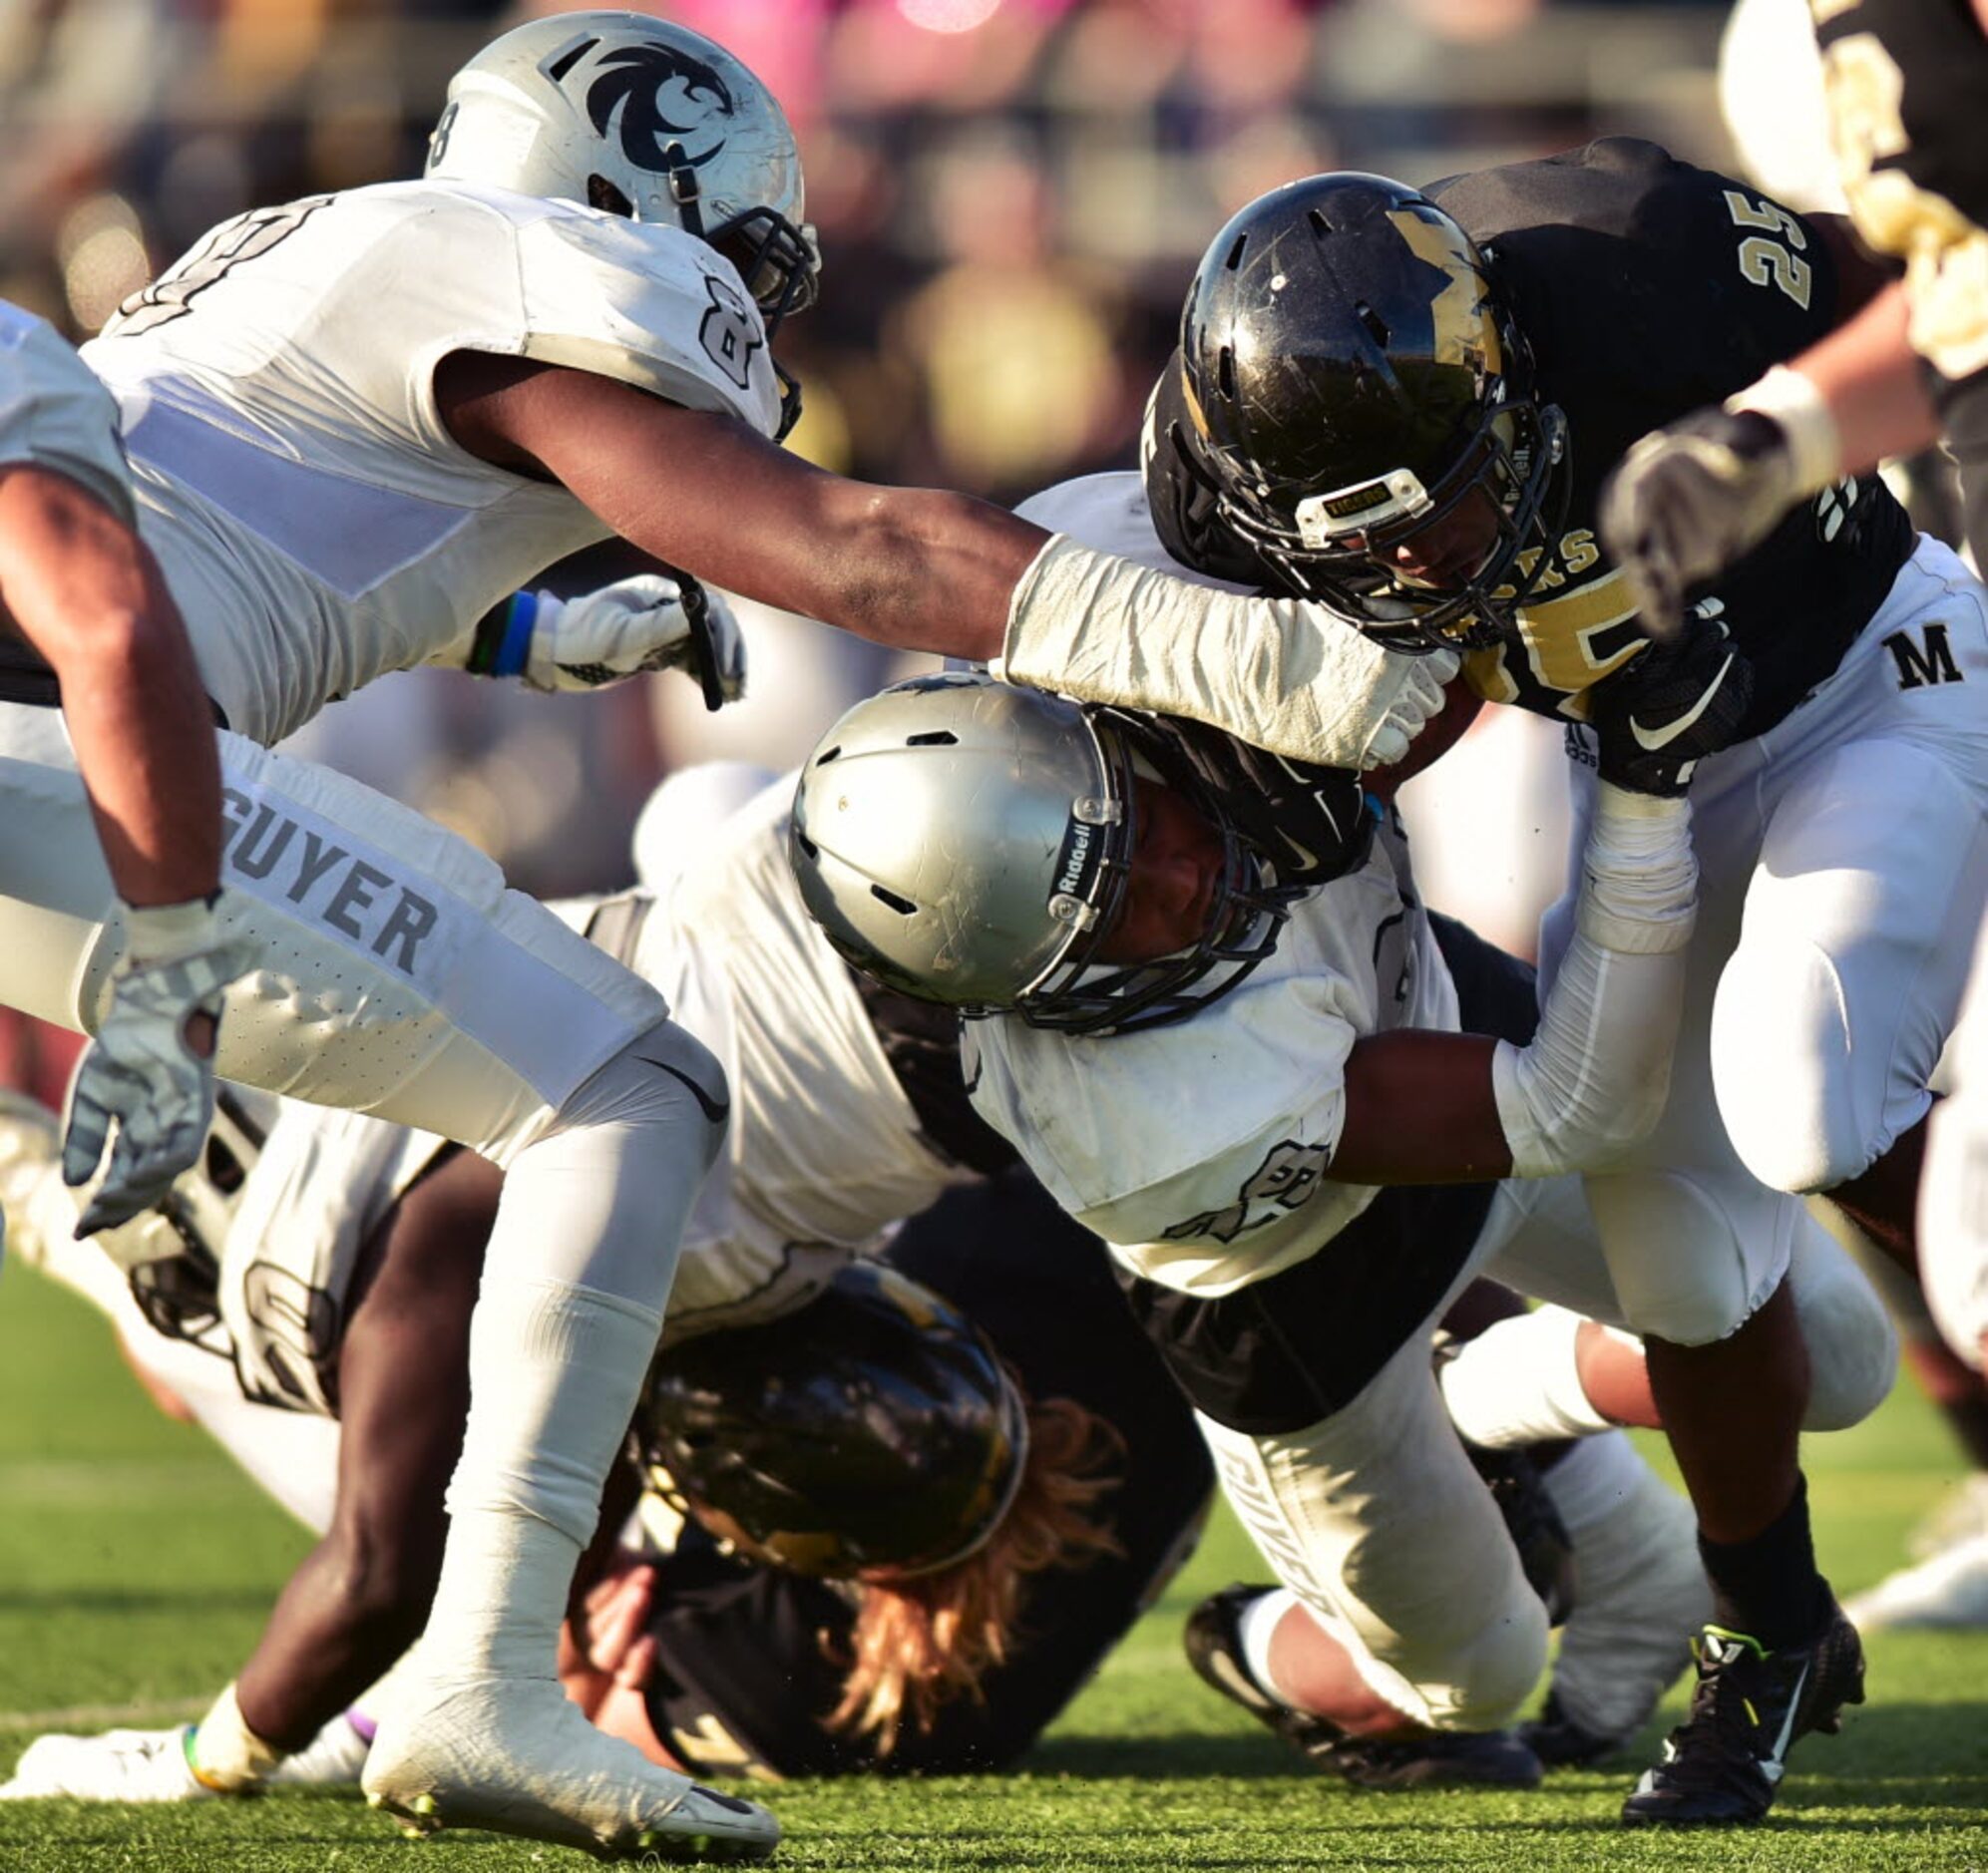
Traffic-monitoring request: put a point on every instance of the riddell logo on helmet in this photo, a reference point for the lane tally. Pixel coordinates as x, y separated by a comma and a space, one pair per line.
1078, 860
637, 80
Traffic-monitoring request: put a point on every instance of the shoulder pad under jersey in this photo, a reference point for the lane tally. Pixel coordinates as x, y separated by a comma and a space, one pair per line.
651, 306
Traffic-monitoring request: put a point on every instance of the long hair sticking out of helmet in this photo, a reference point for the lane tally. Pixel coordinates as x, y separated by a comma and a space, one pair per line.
923, 1642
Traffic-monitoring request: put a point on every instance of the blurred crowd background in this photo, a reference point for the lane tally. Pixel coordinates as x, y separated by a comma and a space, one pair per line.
1010, 197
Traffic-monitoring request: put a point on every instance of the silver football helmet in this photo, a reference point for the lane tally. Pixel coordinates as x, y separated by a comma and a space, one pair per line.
642, 118
972, 843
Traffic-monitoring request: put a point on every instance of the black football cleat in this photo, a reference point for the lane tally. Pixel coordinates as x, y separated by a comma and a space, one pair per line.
1431, 1759
1560, 1742
1722, 1767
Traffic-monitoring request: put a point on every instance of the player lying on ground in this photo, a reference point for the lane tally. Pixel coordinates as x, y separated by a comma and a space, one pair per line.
1263, 1100
349, 1253
927, 1543
858, 1437
357, 422
1526, 324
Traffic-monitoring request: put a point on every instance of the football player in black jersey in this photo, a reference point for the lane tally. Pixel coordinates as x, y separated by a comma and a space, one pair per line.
1903, 83
1407, 403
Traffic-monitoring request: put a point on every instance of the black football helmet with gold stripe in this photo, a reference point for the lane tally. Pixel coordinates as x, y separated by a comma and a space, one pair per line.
1362, 405
873, 1432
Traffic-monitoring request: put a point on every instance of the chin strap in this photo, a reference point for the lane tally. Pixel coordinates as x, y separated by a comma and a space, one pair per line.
685, 190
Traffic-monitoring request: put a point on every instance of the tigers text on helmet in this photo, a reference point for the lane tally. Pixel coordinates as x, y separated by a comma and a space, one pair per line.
1363, 403
973, 844
643, 118
874, 1431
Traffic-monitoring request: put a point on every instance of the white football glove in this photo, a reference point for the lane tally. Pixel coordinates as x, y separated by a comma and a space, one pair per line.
1689, 500
647, 622
119, 1766
141, 1070
1278, 674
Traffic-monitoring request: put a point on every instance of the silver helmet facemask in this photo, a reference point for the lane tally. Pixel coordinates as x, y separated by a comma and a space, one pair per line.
971, 844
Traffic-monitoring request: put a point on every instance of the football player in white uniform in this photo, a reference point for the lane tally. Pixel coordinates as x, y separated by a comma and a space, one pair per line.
347, 1253
104, 639
355, 423
1252, 1090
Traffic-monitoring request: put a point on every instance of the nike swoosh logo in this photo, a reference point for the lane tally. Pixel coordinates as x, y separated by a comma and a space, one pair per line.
716, 1110
1652, 741
1780, 1742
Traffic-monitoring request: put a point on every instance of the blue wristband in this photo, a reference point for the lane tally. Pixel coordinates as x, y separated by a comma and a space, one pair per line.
514, 647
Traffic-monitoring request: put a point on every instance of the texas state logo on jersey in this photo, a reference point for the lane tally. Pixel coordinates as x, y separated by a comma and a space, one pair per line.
1579, 628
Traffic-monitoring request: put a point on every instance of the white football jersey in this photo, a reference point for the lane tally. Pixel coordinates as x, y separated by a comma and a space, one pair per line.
1198, 1151
825, 1151
316, 522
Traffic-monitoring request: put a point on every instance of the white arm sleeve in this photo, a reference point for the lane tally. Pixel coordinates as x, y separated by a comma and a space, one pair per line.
1288, 677
1594, 1078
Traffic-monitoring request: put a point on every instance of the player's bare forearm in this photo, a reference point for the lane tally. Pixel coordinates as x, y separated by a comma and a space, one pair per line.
1873, 384
361, 1595
1420, 1109
919, 569
83, 590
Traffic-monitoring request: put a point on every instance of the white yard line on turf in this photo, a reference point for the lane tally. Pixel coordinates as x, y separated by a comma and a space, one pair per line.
104, 1715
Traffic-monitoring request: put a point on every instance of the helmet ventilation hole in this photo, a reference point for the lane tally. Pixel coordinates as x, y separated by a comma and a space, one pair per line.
1235, 258
827, 755
939, 738
1376, 326
902, 906
1321, 228
1225, 372
806, 844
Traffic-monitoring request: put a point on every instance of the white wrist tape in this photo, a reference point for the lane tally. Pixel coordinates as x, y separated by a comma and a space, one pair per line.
1284, 675
1593, 1081
1815, 444
226, 1754
163, 933
1518, 1383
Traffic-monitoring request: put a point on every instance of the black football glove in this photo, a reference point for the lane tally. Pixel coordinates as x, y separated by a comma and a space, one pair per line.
1308, 824
1689, 500
1665, 711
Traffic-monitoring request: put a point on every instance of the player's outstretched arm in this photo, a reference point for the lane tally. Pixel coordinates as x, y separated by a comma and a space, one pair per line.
926, 569
1425, 1107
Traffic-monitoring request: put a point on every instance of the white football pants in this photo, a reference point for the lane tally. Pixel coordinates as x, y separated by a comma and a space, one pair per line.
1953, 1201
401, 977
1375, 1519
1843, 875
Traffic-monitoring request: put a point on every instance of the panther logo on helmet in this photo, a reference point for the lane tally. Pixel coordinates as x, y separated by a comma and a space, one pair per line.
637, 79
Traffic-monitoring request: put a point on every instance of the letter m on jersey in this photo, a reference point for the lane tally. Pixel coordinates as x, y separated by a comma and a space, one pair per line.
1925, 657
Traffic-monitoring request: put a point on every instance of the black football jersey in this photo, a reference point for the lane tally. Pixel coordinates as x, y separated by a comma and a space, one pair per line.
1648, 288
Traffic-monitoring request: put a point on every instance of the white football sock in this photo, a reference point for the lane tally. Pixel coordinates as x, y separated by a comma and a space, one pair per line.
1254, 1632
1594, 1479
1518, 1383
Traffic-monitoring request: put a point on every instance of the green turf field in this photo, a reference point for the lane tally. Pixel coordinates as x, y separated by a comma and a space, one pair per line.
135, 1569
